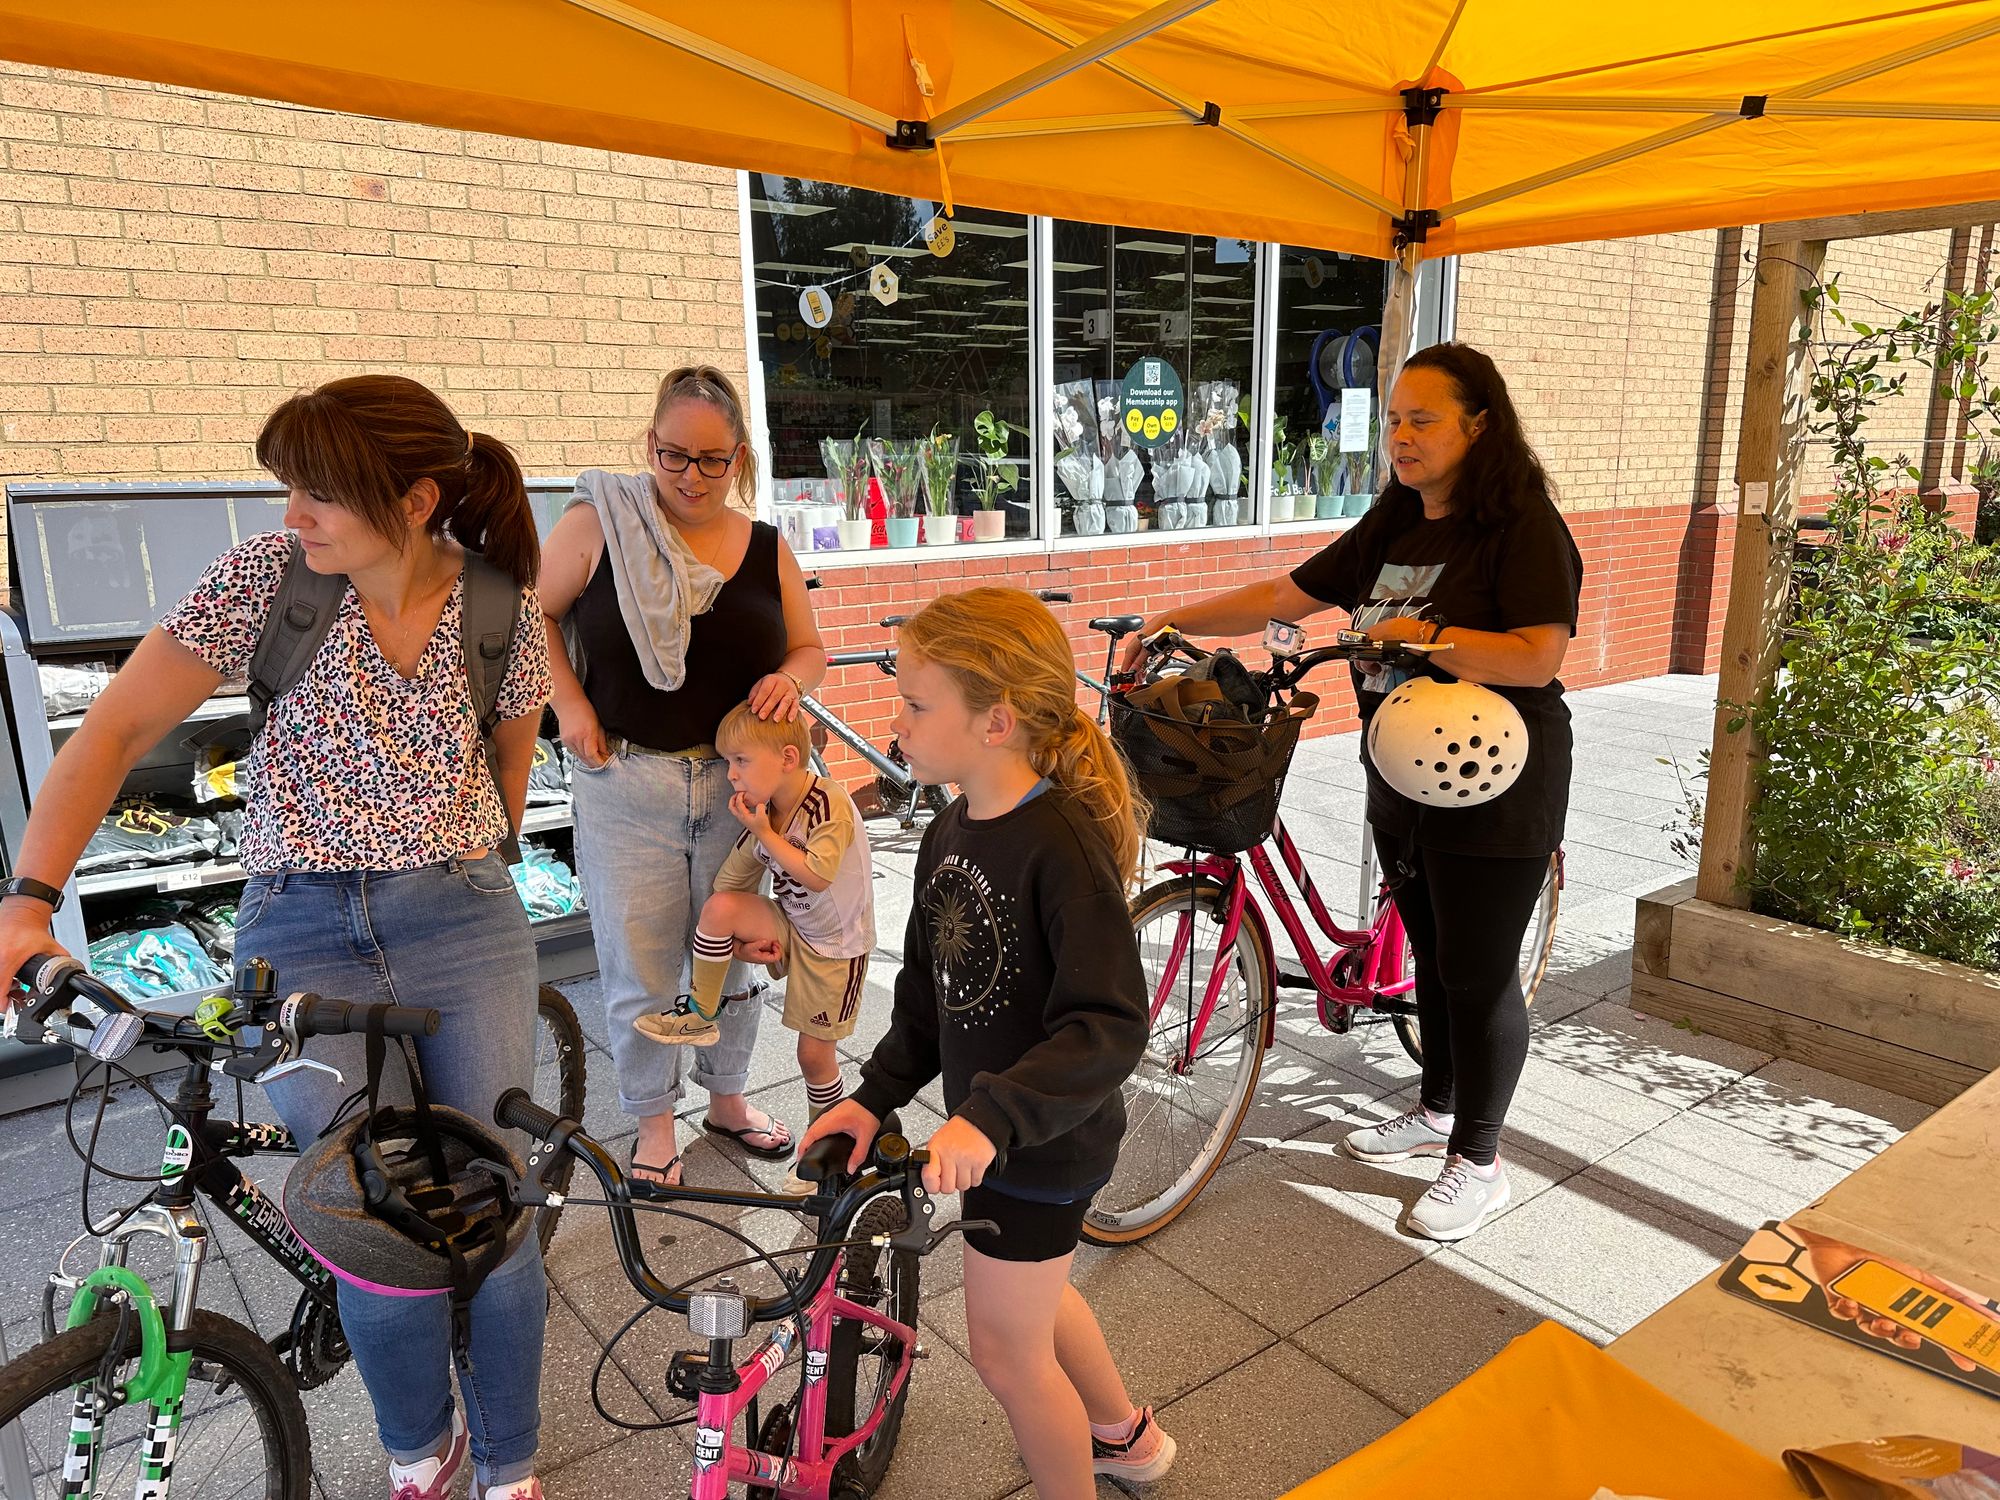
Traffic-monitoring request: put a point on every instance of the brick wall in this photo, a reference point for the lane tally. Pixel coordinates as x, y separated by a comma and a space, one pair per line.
173, 264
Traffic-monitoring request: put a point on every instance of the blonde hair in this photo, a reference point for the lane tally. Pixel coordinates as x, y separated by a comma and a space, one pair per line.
741, 729
1002, 645
708, 384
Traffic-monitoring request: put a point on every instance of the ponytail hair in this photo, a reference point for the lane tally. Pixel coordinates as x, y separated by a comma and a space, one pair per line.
707, 384
365, 441
1002, 645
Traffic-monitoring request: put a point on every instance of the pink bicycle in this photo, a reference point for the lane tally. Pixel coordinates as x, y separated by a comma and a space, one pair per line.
1212, 970
852, 1312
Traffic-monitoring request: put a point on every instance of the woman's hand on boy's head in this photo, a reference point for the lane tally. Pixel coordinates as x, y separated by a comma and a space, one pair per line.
845, 1118
775, 696
960, 1155
755, 816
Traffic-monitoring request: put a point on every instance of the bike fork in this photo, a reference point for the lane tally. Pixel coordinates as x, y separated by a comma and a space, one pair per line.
161, 1380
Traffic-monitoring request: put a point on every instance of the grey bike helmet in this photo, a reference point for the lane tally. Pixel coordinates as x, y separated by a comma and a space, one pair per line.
408, 1201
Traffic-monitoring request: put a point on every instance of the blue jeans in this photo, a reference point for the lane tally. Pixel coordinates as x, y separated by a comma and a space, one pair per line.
452, 937
652, 832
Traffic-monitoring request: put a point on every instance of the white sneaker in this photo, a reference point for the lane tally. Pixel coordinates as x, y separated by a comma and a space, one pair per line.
1459, 1201
1398, 1139
431, 1478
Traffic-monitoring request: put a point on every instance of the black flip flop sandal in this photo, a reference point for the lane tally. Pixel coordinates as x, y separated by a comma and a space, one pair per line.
762, 1153
643, 1187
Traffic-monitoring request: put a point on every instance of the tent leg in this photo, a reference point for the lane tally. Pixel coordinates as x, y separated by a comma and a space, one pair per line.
1767, 465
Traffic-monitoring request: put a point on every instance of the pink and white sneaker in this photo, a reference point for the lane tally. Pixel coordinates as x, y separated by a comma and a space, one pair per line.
519, 1489
430, 1478
1141, 1458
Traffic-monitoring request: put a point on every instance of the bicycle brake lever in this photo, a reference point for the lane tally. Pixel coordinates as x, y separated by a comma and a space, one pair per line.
956, 1226
918, 1211
286, 1069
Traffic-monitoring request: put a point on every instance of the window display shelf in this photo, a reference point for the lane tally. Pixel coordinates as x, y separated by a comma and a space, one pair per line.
191, 875
227, 706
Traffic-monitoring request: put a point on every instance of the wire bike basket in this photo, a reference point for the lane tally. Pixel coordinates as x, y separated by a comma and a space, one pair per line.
1212, 769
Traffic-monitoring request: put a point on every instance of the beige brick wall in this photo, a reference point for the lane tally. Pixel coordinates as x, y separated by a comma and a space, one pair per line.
1607, 350
174, 264
1605, 347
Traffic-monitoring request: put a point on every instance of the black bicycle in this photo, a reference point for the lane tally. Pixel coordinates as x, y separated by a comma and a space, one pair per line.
146, 1391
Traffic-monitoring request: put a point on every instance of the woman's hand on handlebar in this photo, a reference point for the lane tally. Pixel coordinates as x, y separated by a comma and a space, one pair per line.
960, 1155
845, 1118
583, 735
1400, 629
24, 937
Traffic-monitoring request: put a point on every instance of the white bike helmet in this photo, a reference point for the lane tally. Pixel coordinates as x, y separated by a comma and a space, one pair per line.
1449, 744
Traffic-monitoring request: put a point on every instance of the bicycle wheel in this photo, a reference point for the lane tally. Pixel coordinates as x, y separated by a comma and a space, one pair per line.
1538, 943
1182, 1112
559, 1075
241, 1430
861, 1360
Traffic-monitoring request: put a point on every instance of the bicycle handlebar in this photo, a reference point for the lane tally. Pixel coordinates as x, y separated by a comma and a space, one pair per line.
67, 1006
893, 1166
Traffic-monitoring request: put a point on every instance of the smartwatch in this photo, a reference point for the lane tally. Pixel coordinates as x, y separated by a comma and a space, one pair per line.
41, 890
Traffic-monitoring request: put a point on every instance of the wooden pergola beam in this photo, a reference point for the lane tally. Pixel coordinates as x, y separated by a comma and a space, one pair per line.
1888, 221
1767, 475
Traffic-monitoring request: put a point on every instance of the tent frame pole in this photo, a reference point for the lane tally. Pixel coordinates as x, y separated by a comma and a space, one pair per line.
1768, 458
741, 63
1078, 56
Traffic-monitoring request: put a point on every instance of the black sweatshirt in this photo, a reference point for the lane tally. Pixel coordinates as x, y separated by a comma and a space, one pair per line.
1021, 984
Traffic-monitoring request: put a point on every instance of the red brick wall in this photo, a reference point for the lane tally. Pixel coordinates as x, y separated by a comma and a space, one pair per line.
1654, 585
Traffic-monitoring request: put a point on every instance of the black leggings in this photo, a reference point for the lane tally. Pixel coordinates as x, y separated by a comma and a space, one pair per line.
1465, 915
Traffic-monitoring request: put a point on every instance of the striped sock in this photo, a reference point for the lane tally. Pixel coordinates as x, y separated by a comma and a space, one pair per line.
821, 1097
712, 955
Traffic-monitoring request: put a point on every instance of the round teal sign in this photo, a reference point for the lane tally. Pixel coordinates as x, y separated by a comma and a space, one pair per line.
1149, 403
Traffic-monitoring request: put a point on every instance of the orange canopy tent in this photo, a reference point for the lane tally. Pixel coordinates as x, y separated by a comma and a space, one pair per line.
1442, 125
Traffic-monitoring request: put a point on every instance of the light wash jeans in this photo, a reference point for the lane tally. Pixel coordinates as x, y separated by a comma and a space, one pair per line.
652, 832
452, 937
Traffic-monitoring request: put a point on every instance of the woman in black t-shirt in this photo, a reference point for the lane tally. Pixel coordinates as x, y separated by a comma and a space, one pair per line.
1464, 548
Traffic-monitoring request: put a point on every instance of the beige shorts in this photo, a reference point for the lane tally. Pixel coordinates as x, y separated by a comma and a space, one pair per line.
822, 995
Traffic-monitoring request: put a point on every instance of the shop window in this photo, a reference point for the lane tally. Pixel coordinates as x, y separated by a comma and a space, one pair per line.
1324, 426
1181, 307
895, 366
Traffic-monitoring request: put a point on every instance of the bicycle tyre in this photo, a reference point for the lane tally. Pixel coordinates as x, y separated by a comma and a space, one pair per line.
856, 1347
1125, 1211
229, 1361
565, 1058
1538, 945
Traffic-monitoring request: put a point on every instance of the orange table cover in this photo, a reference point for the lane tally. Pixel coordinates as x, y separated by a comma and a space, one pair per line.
1552, 1417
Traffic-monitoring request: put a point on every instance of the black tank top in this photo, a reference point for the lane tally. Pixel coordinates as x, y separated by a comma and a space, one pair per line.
740, 639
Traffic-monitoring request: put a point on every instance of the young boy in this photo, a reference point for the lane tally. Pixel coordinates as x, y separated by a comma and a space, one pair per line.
816, 929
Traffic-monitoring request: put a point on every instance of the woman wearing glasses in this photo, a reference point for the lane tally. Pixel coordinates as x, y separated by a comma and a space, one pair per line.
673, 608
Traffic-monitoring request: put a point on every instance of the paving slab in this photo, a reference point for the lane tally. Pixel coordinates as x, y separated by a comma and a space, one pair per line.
1414, 1337
1815, 1112
1724, 1178
1642, 1053
1606, 1255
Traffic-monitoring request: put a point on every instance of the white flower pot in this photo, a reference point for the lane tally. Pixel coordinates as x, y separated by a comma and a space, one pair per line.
855, 535
989, 525
939, 530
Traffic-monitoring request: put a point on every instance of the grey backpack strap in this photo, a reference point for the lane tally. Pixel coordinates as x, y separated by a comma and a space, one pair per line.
491, 604
302, 612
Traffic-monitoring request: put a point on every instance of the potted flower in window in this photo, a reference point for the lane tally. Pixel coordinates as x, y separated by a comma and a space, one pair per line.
896, 465
1079, 464
996, 476
846, 461
1324, 466
1217, 402
938, 456
1284, 485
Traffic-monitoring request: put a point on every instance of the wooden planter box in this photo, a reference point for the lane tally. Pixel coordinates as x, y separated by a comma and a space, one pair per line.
1913, 1025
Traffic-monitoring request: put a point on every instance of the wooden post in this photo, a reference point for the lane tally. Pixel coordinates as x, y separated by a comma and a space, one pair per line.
1767, 456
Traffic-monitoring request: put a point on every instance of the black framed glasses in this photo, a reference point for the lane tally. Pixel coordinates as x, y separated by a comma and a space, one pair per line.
676, 462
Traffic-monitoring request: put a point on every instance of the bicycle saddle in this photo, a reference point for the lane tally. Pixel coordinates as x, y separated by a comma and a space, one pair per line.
1117, 625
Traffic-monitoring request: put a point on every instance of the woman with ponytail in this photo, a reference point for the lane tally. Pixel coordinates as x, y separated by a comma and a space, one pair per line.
1021, 985
371, 834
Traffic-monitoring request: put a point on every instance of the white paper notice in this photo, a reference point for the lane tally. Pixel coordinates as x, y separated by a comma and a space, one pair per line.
1354, 405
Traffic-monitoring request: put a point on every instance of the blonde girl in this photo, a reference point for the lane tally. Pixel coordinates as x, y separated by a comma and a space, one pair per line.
651, 679
1021, 986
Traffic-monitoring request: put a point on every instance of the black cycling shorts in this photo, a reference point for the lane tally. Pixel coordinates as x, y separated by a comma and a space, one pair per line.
1029, 1231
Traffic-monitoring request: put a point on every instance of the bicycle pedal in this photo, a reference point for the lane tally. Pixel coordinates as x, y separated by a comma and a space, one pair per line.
684, 1373
1294, 982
